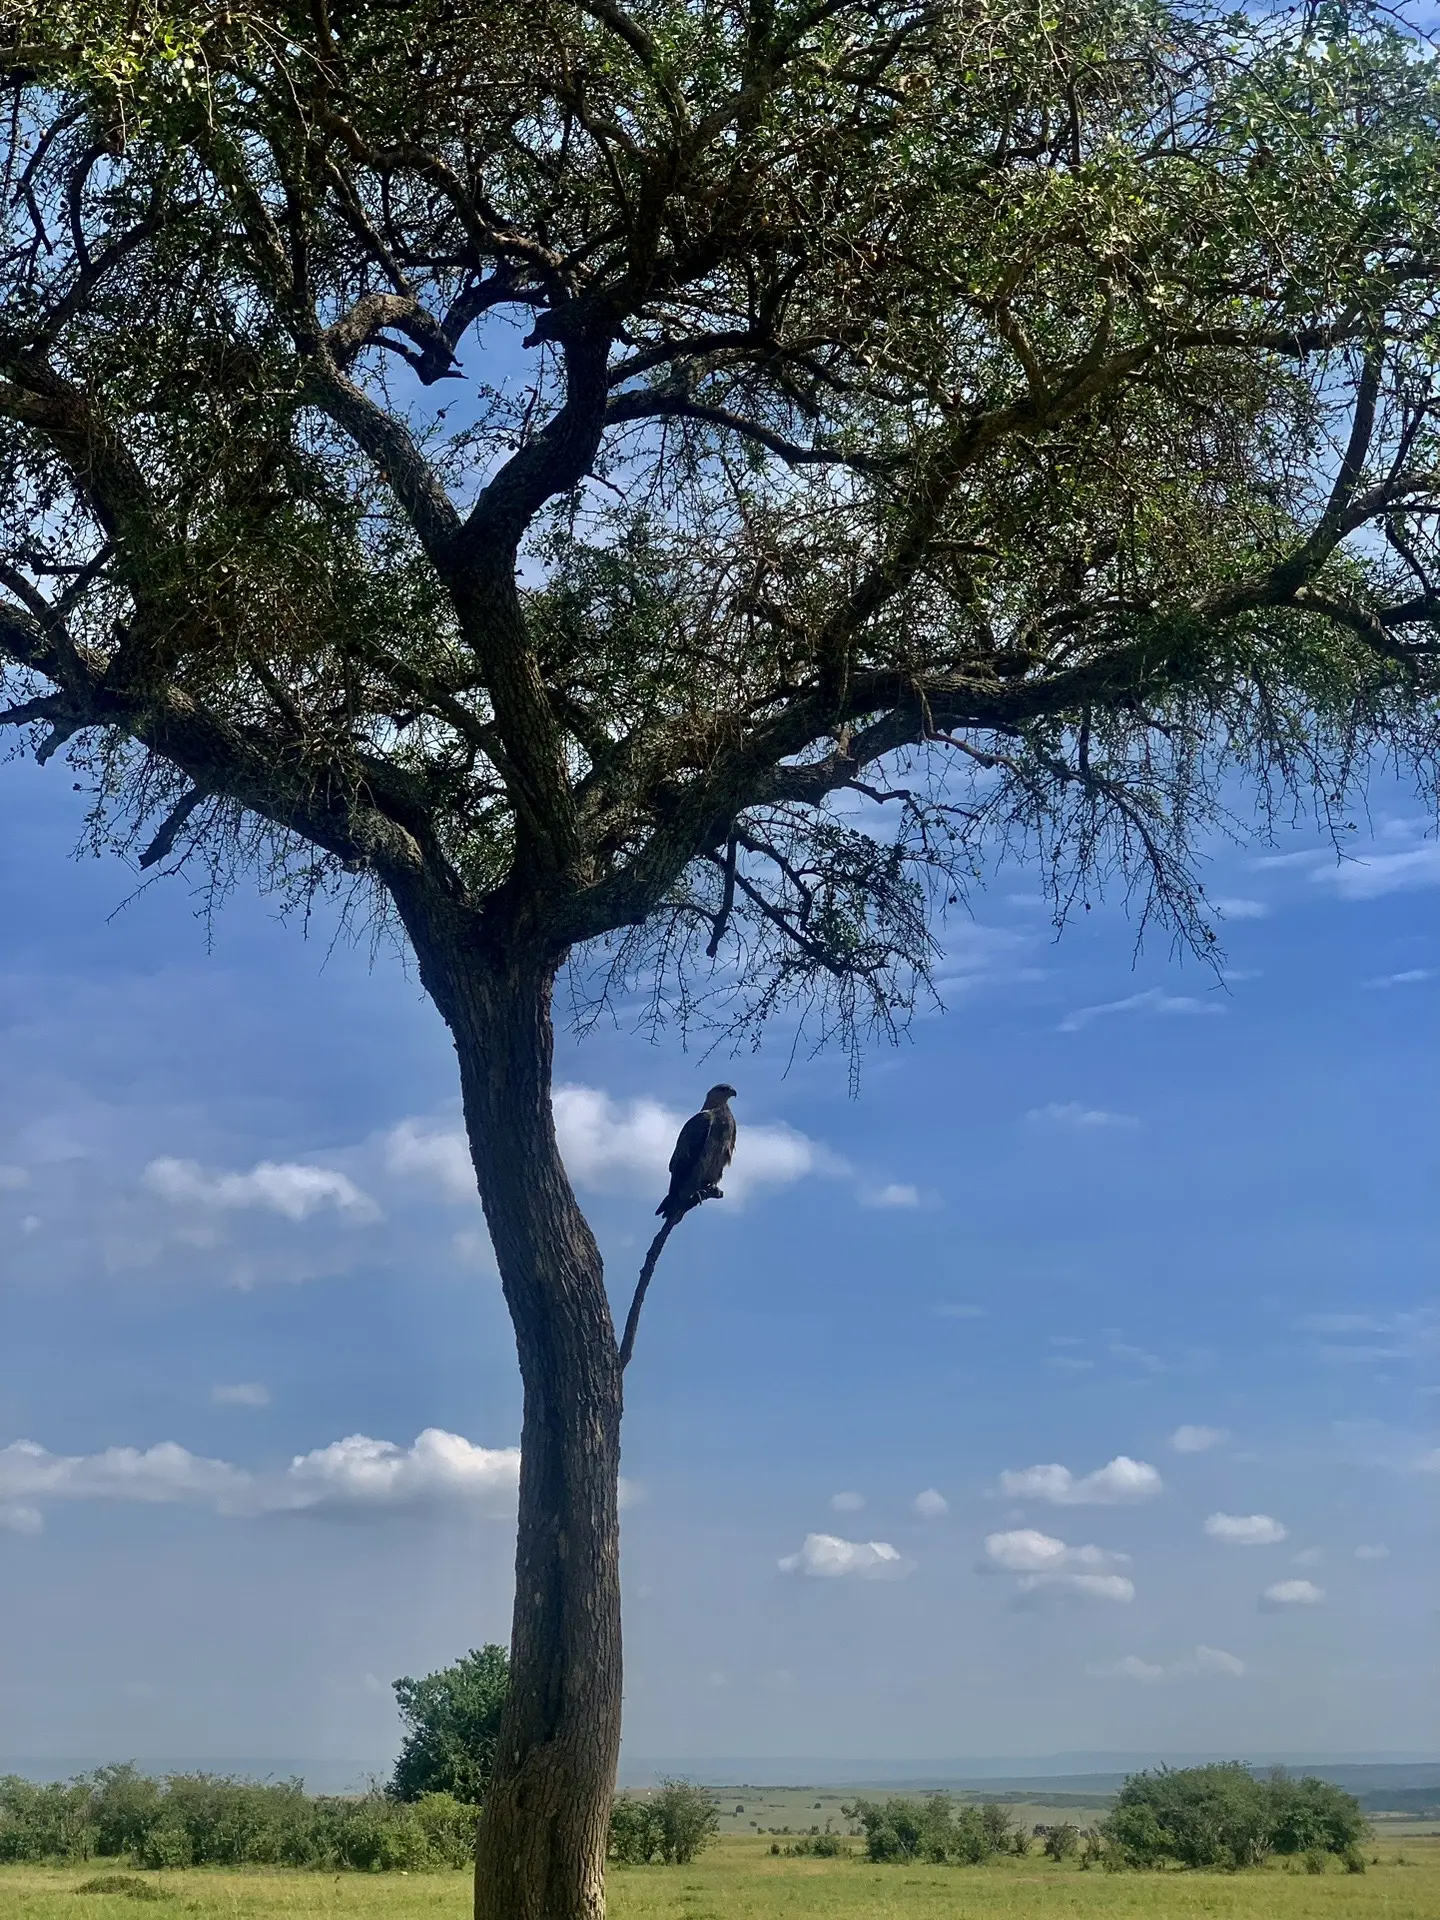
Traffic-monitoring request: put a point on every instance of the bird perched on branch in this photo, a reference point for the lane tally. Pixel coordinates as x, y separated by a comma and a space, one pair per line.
702, 1153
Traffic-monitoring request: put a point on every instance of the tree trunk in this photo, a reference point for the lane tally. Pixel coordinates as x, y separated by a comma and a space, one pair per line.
543, 1830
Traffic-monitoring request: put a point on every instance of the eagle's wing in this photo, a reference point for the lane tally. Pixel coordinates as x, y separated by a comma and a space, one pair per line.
689, 1148
719, 1146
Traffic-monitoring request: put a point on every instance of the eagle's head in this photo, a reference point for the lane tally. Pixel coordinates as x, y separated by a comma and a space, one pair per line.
717, 1096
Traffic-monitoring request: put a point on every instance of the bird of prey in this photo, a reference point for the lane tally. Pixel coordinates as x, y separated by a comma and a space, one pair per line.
702, 1153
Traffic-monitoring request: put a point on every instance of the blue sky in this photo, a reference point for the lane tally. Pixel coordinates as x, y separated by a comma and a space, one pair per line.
1096, 1203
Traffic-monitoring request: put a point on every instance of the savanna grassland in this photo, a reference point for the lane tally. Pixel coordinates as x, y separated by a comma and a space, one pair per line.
739, 1879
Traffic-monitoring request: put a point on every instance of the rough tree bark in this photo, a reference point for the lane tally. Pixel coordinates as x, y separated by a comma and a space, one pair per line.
541, 1853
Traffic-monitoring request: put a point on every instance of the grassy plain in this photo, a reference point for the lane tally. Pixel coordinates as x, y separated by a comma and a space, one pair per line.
739, 1879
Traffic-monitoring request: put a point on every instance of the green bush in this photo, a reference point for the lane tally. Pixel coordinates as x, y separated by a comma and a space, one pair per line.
635, 1838
167, 1844
673, 1825
933, 1829
1222, 1816
1062, 1842
52, 1822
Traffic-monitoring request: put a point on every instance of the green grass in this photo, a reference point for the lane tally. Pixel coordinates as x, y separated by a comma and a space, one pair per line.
739, 1879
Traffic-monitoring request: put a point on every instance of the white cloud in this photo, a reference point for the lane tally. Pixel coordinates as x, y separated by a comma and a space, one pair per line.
1245, 1529
440, 1156
361, 1474
1233, 909
244, 1393
1154, 1000
283, 1187
1201, 1662
1429, 1462
1027, 1550
1048, 1568
357, 1475
166, 1472
611, 1145
1078, 1119
17, 1519
1198, 1439
1122, 1480
931, 1504
846, 1502
1372, 1553
894, 1194
1292, 1593
624, 1146
1308, 1557
825, 1557
1410, 977
14, 1179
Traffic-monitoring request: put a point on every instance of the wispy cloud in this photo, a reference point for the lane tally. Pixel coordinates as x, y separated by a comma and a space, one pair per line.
893, 1194
1376, 874
1238, 909
1200, 1663
284, 1187
1153, 1001
1409, 977
1376, 1552
1119, 1482
931, 1504
847, 1502
1072, 1116
1413, 1334
14, 1179
1189, 1439
244, 1393
1245, 1529
824, 1556
959, 1310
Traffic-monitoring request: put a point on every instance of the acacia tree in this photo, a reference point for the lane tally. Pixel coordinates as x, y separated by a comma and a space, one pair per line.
681, 486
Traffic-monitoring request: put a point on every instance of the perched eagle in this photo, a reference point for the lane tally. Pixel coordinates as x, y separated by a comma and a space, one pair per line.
702, 1153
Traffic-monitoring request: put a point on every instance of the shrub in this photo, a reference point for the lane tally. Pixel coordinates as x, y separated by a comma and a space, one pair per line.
167, 1844
635, 1837
50, 1822
933, 1830
1221, 1816
1309, 1813
124, 1805
1316, 1859
1062, 1842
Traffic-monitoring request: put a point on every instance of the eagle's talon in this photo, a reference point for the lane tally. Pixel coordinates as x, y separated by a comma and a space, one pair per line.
712, 1193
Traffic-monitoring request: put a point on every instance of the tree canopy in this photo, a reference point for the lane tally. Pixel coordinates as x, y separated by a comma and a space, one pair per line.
567, 458
452, 1721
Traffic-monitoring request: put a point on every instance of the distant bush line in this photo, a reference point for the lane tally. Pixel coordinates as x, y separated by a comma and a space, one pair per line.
1199, 1817
206, 1820
1203, 1817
